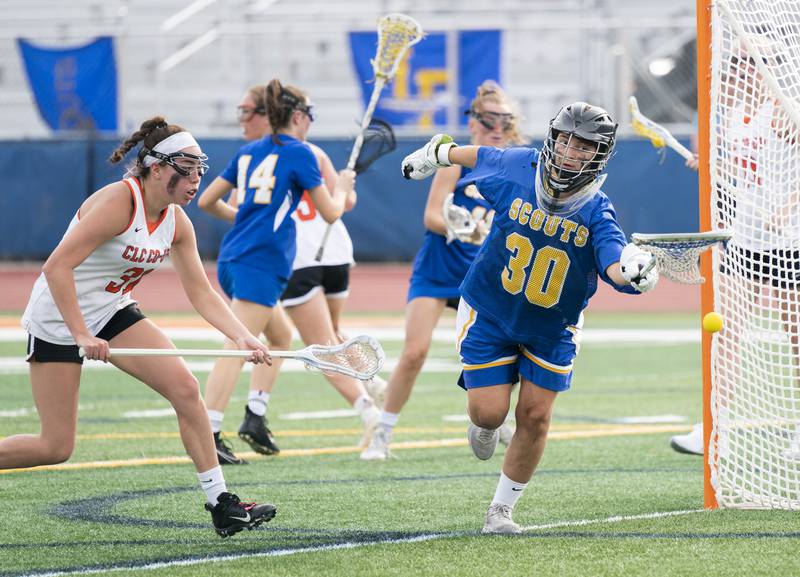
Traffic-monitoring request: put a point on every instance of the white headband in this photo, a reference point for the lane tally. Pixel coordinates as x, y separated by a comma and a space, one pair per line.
170, 145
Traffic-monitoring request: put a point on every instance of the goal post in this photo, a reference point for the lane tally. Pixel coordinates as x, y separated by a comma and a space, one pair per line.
748, 78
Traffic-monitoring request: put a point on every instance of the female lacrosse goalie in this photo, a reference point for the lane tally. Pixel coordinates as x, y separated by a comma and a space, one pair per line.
121, 233
443, 260
257, 255
521, 306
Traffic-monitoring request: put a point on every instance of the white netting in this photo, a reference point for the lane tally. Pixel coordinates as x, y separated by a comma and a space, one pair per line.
755, 192
360, 357
678, 255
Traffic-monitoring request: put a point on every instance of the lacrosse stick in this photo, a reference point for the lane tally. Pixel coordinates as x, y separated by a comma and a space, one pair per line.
396, 34
678, 255
658, 135
360, 357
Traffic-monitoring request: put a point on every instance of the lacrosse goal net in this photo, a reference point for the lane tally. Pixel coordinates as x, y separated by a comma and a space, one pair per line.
749, 112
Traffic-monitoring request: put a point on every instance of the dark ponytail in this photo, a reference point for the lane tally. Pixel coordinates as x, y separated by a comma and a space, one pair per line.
151, 132
282, 101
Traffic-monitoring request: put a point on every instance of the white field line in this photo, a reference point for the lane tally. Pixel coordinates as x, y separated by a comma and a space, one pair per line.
355, 545
441, 335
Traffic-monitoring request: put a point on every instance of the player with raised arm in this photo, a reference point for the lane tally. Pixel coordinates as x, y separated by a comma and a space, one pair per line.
82, 299
522, 301
256, 257
442, 262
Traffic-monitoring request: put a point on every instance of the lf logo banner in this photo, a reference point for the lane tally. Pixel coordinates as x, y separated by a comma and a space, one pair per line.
422, 93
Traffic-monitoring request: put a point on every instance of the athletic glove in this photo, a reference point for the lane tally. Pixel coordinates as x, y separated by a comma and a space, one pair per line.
459, 221
424, 161
639, 268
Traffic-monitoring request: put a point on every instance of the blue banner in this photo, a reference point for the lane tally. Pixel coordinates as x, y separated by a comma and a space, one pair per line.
419, 94
75, 88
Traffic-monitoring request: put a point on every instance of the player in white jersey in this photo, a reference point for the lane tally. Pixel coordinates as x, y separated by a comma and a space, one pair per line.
764, 215
83, 300
313, 326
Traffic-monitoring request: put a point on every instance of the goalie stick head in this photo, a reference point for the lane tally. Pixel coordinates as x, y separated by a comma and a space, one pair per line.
579, 143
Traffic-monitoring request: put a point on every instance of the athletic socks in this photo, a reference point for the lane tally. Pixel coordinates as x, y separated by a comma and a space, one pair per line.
508, 491
257, 402
213, 483
363, 403
388, 421
215, 418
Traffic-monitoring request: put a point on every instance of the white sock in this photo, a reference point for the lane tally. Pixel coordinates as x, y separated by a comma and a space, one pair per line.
388, 420
215, 418
508, 491
213, 483
363, 403
257, 402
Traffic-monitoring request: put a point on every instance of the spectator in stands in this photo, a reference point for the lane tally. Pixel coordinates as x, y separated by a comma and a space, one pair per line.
442, 263
256, 256
520, 314
81, 305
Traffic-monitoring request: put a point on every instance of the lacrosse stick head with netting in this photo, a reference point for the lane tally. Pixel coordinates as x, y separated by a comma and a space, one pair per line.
678, 255
378, 141
459, 221
360, 357
396, 33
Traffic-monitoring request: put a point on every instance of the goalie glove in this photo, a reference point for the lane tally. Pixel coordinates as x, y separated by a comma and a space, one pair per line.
424, 161
639, 268
459, 221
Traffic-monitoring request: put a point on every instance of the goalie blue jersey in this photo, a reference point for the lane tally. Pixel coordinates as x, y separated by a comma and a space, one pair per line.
272, 178
535, 273
439, 267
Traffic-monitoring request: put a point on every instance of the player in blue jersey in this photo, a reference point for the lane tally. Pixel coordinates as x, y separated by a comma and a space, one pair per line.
256, 256
442, 262
314, 328
521, 310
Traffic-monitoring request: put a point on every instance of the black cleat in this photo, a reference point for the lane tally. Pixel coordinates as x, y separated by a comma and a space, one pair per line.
230, 515
225, 455
254, 432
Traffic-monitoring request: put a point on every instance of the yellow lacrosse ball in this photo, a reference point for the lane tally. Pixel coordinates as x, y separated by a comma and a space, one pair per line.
712, 322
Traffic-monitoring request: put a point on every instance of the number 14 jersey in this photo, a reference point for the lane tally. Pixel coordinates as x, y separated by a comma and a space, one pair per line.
106, 278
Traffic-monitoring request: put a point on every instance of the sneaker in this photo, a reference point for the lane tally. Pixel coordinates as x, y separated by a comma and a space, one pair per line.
225, 455
499, 521
254, 432
378, 449
230, 515
376, 388
369, 422
506, 433
483, 441
690, 443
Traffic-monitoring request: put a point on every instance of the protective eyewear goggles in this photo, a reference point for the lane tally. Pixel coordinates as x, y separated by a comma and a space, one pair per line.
184, 163
493, 120
245, 113
307, 109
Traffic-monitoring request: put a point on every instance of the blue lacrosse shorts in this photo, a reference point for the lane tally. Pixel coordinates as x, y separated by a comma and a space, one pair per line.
247, 283
491, 357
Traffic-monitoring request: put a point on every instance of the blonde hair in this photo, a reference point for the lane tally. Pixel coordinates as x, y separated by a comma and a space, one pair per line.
490, 91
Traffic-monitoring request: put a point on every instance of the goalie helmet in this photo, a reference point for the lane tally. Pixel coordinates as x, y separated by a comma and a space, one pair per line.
567, 177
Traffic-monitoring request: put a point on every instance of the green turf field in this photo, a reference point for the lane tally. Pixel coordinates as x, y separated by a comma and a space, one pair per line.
610, 496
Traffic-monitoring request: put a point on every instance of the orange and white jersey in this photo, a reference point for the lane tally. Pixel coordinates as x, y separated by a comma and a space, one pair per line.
310, 232
104, 280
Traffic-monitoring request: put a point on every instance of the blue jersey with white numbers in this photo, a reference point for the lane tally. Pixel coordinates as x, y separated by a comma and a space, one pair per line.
272, 178
443, 265
535, 273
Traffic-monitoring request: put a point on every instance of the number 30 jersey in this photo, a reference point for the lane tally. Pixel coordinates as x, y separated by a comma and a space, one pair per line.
535, 272
106, 278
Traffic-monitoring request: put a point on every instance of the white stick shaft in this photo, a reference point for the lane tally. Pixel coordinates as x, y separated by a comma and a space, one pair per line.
679, 148
192, 353
380, 82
